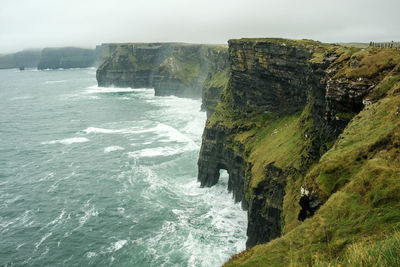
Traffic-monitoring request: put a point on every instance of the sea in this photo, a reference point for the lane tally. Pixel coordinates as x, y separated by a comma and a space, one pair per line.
93, 176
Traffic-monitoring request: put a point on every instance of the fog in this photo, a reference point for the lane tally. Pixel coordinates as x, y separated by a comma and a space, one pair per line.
85, 23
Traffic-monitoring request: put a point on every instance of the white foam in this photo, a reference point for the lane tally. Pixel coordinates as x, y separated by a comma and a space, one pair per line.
90, 211
121, 210
57, 220
99, 130
226, 225
52, 82
161, 151
117, 245
112, 149
21, 97
23, 220
129, 130
91, 254
171, 133
37, 244
67, 141
19, 246
97, 89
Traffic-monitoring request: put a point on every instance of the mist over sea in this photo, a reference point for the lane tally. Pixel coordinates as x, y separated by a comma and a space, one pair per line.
94, 176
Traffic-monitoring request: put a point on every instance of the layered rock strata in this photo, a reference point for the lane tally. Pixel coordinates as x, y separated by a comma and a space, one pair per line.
285, 104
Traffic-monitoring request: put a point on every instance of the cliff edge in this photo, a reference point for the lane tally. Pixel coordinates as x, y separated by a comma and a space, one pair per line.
297, 119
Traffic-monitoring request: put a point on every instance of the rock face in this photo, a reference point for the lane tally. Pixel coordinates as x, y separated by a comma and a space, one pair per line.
54, 58
285, 104
26, 59
217, 78
323, 174
216, 156
66, 57
267, 76
170, 68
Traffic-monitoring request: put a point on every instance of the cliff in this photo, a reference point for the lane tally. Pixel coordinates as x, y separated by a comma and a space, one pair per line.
305, 116
25, 58
66, 57
170, 68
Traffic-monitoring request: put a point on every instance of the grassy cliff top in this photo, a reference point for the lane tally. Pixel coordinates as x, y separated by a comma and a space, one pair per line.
281, 41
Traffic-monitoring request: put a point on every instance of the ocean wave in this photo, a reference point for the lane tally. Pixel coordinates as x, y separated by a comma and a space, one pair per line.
117, 245
164, 132
89, 211
25, 97
57, 220
23, 220
112, 149
226, 220
53, 82
91, 254
162, 151
100, 130
67, 141
47, 235
97, 89
171, 133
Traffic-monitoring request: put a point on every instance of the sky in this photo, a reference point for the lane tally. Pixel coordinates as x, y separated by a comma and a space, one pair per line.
86, 23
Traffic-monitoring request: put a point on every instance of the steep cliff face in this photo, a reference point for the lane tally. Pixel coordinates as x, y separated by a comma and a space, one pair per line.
25, 58
285, 105
132, 65
270, 82
169, 68
217, 78
66, 57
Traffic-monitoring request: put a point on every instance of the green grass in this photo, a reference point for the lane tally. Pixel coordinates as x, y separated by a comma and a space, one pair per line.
219, 79
371, 62
293, 42
346, 157
183, 64
382, 253
362, 196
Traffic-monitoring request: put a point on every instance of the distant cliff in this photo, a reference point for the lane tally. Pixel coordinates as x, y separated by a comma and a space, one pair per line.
305, 117
26, 59
66, 57
170, 68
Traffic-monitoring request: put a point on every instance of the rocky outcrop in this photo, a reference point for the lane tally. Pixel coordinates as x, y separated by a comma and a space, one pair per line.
66, 57
285, 104
215, 156
170, 68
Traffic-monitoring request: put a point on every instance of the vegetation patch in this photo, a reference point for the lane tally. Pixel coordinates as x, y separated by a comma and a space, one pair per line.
369, 63
359, 178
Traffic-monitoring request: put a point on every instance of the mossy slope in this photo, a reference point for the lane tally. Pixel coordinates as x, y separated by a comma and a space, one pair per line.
359, 177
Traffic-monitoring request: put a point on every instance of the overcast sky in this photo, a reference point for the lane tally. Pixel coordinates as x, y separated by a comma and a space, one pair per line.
50, 23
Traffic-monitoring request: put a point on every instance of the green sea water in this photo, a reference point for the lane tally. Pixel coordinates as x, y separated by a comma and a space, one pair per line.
93, 176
